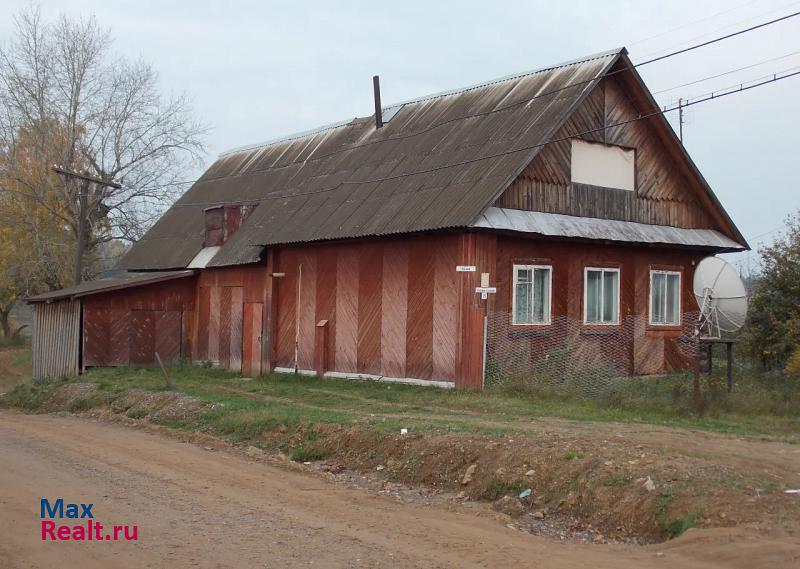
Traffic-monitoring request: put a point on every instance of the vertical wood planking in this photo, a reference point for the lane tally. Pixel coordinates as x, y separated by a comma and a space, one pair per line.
307, 309
142, 337
369, 307
326, 297
419, 336
214, 323
286, 306
394, 306
203, 322
445, 309
346, 358
236, 323
119, 340
56, 339
96, 326
168, 324
251, 349
225, 328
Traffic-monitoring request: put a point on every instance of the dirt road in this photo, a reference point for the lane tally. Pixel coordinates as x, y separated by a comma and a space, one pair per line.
197, 508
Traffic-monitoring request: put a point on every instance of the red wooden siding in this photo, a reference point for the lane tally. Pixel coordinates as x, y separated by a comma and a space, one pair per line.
252, 337
649, 349
445, 309
214, 323
230, 330
142, 330
480, 250
168, 335
394, 305
370, 277
306, 318
346, 354
419, 337
130, 326
223, 335
326, 298
391, 306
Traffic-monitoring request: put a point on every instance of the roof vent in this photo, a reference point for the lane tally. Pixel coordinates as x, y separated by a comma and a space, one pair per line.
376, 88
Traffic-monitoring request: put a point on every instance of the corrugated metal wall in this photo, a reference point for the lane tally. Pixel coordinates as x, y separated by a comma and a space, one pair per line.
56, 339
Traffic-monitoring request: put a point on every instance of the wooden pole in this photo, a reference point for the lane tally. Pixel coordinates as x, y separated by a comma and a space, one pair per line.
696, 396
83, 208
83, 199
164, 371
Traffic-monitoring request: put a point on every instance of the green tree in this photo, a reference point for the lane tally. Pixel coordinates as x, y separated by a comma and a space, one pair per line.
772, 333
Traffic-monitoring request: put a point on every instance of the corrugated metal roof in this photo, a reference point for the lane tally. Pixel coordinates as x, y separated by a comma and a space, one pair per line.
438, 163
105, 285
558, 225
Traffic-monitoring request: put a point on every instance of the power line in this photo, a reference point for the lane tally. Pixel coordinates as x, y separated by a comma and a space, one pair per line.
726, 26
689, 24
642, 116
717, 39
518, 103
545, 94
729, 72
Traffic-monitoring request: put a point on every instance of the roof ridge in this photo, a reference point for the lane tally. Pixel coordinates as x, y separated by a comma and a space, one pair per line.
447, 93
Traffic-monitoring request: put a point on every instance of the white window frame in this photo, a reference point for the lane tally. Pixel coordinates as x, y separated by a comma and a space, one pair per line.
548, 316
650, 298
616, 320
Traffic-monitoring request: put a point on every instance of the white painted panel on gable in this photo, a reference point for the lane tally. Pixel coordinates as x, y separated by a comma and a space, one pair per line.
603, 165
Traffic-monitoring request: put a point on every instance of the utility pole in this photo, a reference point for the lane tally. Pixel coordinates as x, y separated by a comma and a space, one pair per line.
83, 199
680, 119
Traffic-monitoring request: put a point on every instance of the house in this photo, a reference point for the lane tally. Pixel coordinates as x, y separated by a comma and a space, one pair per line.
356, 249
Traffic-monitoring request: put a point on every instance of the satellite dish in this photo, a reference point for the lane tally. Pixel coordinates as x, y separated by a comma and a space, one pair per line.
721, 296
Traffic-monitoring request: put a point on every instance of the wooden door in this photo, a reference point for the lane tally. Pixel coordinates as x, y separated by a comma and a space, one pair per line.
251, 350
230, 328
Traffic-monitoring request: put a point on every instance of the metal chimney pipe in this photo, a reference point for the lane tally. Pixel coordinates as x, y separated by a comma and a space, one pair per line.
376, 87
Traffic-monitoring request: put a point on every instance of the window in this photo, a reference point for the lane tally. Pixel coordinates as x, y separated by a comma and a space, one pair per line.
601, 296
531, 298
665, 298
603, 165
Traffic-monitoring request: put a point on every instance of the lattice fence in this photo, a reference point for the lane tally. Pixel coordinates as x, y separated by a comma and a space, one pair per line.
570, 357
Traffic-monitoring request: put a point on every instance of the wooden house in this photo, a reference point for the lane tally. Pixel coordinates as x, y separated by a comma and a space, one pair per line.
356, 249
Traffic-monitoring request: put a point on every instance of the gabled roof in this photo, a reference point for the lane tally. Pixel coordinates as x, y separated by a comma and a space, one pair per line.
438, 163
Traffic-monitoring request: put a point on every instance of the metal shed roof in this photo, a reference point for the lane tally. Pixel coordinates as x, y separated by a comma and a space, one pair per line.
110, 284
558, 225
439, 162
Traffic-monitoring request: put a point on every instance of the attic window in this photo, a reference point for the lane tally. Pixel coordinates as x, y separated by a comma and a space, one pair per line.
221, 222
603, 165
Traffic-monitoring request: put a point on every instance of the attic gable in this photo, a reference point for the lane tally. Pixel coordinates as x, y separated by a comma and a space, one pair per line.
669, 190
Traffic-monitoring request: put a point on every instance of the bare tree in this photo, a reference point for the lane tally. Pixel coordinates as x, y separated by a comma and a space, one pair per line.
64, 98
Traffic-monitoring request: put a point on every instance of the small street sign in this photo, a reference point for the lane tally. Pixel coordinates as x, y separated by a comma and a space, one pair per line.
466, 268
486, 289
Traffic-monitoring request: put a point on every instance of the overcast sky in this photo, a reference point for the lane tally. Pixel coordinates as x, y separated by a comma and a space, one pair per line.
259, 70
